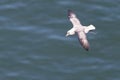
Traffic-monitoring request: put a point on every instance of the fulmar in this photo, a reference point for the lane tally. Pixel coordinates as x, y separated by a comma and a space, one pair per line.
79, 29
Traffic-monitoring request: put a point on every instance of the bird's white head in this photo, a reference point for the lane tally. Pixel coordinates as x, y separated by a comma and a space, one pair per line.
70, 32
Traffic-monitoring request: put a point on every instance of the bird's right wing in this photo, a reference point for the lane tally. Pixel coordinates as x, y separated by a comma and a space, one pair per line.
83, 40
74, 20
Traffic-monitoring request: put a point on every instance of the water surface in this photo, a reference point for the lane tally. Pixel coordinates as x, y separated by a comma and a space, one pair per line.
33, 45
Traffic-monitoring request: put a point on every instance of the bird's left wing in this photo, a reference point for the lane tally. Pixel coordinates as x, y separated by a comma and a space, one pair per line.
83, 40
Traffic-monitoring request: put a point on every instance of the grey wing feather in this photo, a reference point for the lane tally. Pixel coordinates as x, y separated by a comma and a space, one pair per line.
83, 40
75, 21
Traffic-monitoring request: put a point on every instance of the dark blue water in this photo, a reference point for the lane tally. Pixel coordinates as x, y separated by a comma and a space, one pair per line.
33, 45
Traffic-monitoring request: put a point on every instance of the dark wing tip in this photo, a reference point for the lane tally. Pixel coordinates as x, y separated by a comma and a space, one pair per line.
85, 45
87, 48
70, 13
84, 42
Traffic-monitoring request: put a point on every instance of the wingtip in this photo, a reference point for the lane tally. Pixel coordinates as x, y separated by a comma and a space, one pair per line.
70, 13
87, 49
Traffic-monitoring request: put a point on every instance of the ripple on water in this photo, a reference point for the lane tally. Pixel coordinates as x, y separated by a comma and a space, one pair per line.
14, 5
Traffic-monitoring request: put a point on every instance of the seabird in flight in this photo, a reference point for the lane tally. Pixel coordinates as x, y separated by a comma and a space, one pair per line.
79, 29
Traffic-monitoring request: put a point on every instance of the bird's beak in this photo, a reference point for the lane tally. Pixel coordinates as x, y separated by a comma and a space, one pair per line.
66, 35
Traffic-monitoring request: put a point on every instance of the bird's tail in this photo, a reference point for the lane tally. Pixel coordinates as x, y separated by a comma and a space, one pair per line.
90, 27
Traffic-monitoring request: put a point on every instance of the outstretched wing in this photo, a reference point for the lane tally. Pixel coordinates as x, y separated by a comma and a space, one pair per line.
83, 40
75, 21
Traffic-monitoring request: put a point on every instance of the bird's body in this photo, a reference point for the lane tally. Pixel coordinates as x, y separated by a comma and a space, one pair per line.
79, 29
